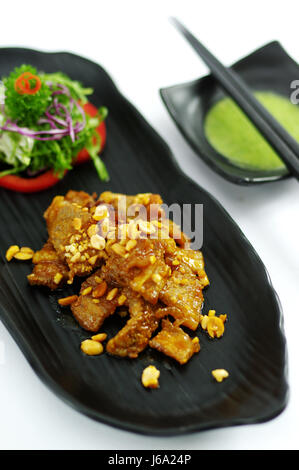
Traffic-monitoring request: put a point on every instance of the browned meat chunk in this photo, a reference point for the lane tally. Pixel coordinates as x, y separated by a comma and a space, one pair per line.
135, 336
174, 342
183, 293
193, 260
90, 310
81, 198
68, 224
49, 270
143, 268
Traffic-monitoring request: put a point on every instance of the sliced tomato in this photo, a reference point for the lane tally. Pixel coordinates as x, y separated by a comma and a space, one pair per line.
48, 179
83, 155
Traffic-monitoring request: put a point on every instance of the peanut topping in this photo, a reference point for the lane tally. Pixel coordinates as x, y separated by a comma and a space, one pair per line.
99, 337
86, 291
105, 228
112, 293
100, 213
214, 325
26, 249
92, 348
23, 256
204, 322
68, 300
11, 252
220, 374
76, 257
92, 230
118, 249
93, 260
100, 290
150, 376
97, 242
131, 244
57, 278
121, 299
77, 223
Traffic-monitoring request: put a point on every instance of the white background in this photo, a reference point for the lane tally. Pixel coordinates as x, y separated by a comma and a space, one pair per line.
136, 44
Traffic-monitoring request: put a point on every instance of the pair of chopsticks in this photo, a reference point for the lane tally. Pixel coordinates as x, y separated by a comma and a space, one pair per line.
280, 140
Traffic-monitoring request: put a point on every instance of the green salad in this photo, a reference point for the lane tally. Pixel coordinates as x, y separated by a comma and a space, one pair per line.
43, 123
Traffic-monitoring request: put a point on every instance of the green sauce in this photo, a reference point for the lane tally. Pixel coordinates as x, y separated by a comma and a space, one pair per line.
231, 133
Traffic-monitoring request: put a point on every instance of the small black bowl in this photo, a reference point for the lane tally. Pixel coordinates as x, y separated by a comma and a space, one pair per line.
269, 68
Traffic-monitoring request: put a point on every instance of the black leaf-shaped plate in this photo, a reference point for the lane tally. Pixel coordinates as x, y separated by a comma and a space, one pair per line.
269, 68
108, 389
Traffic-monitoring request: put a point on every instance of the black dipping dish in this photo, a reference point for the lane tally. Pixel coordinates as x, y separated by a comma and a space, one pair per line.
269, 68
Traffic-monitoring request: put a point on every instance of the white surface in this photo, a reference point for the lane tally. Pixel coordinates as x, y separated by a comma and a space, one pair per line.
137, 45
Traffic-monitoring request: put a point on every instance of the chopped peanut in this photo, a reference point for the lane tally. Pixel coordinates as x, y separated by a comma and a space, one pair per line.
101, 212
105, 228
215, 327
150, 376
11, 252
112, 293
213, 324
100, 290
97, 242
92, 348
131, 244
68, 300
23, 256
211, 313
57, 278
121, 299
76, 257
220, 374
92, 230
93, 260
204, 321
26, 249
118, 249
99, 337
223, 318
86, 291
77, 223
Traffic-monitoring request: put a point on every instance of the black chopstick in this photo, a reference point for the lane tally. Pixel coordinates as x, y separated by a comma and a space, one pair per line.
279, 139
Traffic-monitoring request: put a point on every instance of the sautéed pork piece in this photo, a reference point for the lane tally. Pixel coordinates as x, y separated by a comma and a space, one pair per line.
131, 260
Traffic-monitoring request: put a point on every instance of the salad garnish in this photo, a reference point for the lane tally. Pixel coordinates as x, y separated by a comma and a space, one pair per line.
44, 125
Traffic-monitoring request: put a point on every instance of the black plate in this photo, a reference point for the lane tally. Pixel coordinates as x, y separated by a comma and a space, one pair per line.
267, 69
108, 389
